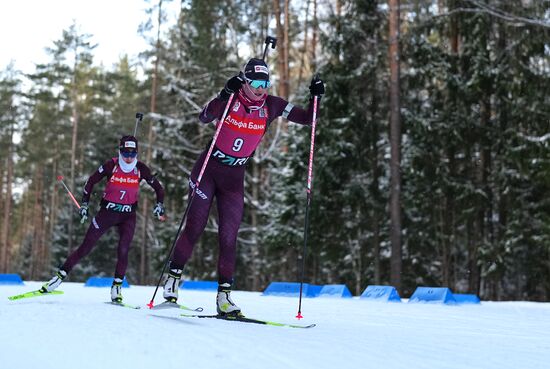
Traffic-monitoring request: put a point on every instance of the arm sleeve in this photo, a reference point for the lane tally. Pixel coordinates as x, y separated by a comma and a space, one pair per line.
104, 170
152, 181
279, 107
213, 110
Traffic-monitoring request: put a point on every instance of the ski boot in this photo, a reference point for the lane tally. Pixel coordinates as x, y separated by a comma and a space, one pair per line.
53, 283
224, 305
171, 285
116, 290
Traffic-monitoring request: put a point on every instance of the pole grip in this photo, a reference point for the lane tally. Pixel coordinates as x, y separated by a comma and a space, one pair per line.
312, 145
269, 41
139, 118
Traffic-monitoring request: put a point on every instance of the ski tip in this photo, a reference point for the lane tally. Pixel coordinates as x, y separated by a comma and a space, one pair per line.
34, 294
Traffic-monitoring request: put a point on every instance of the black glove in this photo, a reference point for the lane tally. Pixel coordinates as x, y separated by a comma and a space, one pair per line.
158, 210
83, 212
317, 87
233, 85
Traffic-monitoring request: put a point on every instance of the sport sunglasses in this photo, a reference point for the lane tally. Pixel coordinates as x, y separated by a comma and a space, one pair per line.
255, 83
128, 154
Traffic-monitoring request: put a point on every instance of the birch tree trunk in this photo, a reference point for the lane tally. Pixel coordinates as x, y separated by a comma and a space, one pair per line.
282, 60
254, 257
6, 219
144, 255
304, 56
315, 36
502, 188
395, 142
286, 47
37, 246
448, 240
2, 181
75, 117
53, 206
24, 220
377, 212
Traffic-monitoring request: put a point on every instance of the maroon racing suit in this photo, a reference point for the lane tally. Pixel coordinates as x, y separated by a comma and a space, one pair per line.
118, 208
224, 175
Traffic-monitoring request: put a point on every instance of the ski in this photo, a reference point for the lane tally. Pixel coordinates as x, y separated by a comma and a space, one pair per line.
123, 304
172, 305
243, 319
33, 294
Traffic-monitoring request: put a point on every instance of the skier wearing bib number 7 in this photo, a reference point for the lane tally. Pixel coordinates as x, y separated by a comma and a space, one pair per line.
118, 208
249, 115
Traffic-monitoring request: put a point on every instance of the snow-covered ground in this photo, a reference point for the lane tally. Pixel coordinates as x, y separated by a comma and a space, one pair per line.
78, 330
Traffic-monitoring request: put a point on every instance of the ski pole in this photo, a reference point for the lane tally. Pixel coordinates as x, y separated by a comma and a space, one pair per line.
309, 180
269, 41
60, 179
192, 196
139, 118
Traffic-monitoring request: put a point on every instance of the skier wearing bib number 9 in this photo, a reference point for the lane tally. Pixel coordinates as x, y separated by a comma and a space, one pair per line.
118, 208
251, 112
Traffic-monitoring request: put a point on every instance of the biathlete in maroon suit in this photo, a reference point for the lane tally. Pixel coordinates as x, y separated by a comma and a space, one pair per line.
118, 208
251, 112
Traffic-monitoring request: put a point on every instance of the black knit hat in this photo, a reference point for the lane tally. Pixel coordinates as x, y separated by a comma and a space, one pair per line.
128, 143
256, 69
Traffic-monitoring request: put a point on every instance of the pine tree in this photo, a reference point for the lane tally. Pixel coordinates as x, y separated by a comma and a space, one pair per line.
66, 110
10, 119
195, 61
347, 202
463, 145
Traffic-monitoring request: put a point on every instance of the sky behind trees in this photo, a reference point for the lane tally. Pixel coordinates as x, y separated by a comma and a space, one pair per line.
33, 25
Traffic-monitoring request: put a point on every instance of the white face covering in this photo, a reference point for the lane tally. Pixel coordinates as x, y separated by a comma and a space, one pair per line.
126, 168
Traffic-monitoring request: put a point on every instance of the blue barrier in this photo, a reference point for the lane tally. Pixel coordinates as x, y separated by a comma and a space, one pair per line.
291, 289
463, 298
381, 293
199, 285
103, 282
10, 279
334, 290
435, 295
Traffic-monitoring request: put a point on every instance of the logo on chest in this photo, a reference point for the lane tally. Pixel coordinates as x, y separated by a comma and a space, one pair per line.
249, 125
125, 181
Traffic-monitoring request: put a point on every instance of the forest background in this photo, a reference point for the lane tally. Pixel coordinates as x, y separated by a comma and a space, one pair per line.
432, 156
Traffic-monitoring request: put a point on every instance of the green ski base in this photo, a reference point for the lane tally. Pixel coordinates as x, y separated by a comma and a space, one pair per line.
36, 293
123, 304
243, 319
